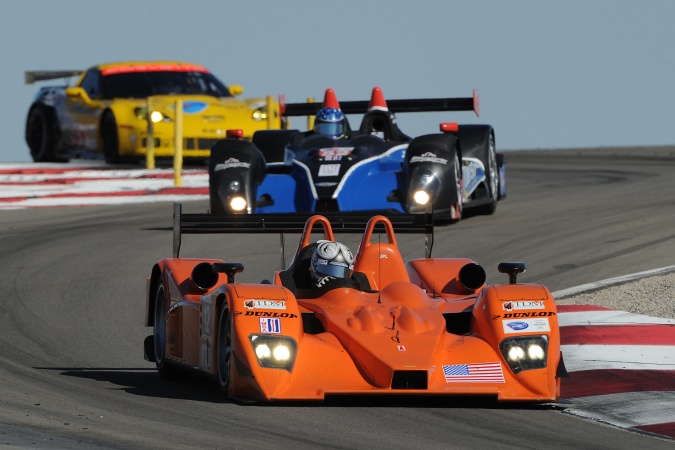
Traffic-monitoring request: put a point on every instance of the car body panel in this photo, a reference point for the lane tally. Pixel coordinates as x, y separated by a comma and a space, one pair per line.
206, 118
417, 329
362, 170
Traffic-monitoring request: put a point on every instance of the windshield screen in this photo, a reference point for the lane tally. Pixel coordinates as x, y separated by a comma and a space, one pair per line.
145, 84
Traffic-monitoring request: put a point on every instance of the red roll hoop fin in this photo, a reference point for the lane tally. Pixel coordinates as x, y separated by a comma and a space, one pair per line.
330, 100
377, 102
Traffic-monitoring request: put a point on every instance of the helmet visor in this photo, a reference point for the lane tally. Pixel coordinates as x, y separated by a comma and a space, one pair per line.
337, 270
329, 128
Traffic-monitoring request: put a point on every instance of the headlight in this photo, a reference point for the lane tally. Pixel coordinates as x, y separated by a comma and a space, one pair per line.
238, 203
275, 352
525, 352
421, 197
156, 116
235, 186
260, 114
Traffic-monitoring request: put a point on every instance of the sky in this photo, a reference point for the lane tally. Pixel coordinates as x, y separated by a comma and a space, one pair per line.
550, 74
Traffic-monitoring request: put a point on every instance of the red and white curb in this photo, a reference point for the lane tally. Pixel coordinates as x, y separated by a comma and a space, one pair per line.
621, 366
50, 185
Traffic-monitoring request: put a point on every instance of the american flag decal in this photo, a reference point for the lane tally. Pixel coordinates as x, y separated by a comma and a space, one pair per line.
474, 373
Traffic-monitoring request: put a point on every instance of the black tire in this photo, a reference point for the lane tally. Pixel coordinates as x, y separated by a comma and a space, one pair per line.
224, 351
165, 369
458, 186
42, 135
110, 138
492, 178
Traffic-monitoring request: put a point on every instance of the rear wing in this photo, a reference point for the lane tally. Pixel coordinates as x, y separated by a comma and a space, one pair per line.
32, 76
395, 106
293, 223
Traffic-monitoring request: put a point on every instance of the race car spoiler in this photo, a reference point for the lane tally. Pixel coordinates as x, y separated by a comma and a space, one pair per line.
32, 76
395, 106
293, 223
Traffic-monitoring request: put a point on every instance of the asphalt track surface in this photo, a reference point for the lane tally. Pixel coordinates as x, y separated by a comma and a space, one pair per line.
72, 373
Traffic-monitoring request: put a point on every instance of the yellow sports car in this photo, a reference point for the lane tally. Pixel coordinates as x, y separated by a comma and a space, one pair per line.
106, 113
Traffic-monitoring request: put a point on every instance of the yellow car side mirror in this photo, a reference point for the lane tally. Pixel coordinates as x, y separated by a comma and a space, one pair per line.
76, 92
235, 89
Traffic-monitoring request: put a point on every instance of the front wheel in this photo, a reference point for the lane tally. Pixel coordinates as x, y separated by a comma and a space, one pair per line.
492, 178
110, 138
164, 367
224, 350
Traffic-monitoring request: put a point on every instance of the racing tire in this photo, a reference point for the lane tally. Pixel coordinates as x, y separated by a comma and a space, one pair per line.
458, 188
42, 135
492, 176
110, 138
164, 367
224, 351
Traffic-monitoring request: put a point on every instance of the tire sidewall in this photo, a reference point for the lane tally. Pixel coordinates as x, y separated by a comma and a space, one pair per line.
110, 138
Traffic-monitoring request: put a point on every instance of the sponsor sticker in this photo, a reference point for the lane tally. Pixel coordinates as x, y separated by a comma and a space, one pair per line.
339, 151
513, 306
271, 314
270, 326
489, 372
526, 326
428, 157
231, 163
190, 107
401, 348
522, 315
264, 304
329, 170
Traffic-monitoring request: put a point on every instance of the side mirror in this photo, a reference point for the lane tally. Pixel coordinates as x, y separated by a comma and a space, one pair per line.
512, 269
76, 92
235, 89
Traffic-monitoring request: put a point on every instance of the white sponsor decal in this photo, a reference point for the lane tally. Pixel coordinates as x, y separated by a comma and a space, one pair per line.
231, 164
513, 306
428, 157
526, 326
329, 170
339, 151
265, 304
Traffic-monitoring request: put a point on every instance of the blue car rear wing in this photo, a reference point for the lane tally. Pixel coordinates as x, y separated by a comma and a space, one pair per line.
341, 222
395, 106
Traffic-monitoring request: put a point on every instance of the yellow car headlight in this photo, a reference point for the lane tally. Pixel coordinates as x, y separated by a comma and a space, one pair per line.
142, 114
259, 114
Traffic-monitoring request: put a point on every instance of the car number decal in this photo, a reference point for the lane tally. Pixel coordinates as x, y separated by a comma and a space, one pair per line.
329, 170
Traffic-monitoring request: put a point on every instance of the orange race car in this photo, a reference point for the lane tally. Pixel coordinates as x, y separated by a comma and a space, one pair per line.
375, 326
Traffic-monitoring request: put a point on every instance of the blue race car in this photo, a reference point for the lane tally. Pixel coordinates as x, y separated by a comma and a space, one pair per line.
375, 168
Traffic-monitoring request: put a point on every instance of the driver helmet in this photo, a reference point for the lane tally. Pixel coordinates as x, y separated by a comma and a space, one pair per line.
330, 122
330, 260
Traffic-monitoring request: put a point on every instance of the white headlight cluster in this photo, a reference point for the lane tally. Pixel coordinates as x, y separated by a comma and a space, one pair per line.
277, 352
260, 114
525, 352
155, 116
238, 203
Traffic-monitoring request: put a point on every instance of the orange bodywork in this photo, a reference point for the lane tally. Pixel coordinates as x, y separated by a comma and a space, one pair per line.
417, 330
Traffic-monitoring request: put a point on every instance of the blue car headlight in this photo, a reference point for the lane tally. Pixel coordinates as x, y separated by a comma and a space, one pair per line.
525, 352
275, 352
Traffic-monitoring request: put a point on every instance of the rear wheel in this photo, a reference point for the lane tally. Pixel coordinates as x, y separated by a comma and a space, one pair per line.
110, 138
42, 135
164, 367
224, 350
